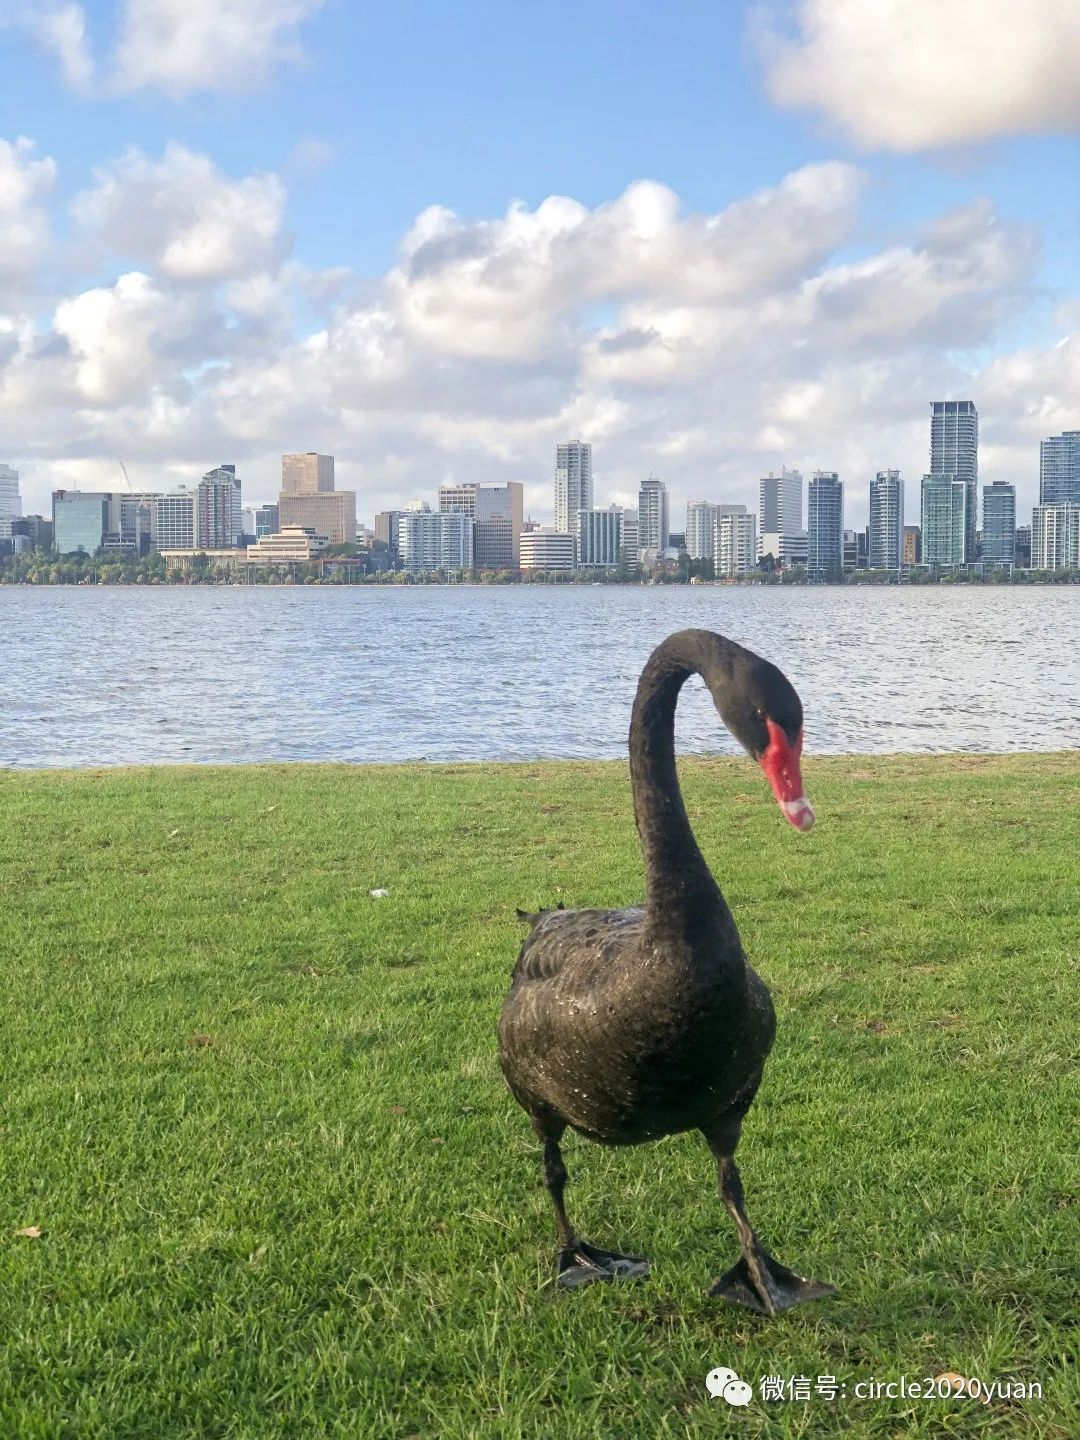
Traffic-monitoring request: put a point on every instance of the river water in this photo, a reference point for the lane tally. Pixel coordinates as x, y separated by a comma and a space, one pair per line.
117, 676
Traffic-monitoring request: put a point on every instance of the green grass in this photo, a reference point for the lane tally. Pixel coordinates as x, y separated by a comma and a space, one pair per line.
258, 1118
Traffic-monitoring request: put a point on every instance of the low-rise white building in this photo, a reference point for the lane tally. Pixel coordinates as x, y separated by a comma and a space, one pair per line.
172, 520
547, 549
786, 549
429, 542
291, 545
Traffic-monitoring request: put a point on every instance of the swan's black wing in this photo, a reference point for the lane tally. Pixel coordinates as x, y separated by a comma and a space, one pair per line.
578, 939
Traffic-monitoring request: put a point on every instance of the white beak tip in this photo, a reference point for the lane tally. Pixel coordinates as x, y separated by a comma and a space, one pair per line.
800, 812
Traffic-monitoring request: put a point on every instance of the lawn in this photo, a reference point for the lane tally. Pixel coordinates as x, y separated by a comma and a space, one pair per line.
257, 1118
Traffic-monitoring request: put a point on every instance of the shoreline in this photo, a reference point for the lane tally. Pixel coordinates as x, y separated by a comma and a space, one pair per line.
894, 761
996, 580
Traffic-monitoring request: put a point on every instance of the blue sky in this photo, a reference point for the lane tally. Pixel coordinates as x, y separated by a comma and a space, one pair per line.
369, 115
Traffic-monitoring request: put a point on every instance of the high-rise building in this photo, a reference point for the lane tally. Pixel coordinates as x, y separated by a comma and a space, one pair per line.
131, 522
780, 507
172, 520
701, 530
547, 549
954, 451
885, 550
330, 513
573, 484
267, 520
701, 521
1023, 547
824, 526
631, 550
736, 543
308, 499
946, 507
780, 518
430, 541
306, 474
458, 498
80, 520
218, 525
999, 523
35, 529
386, 529
10, 500
1055, 537
1059, 469
600, 538
497, 510
912, 554
653, 526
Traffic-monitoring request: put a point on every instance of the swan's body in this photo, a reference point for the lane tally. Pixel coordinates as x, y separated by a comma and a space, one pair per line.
628, 1025
589, 984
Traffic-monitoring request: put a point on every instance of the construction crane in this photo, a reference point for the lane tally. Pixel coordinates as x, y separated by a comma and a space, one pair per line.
127, 477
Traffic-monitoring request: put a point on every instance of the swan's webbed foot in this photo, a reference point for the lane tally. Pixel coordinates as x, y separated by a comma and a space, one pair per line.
760, 1283
582, 1264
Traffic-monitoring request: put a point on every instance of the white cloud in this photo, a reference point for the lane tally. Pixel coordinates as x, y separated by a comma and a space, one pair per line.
123, 339
183, 46
183, 216
914, 74
59, 29
708, 347
24, 225
505, 287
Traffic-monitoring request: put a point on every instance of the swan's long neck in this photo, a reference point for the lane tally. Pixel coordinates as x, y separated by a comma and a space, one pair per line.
678, 882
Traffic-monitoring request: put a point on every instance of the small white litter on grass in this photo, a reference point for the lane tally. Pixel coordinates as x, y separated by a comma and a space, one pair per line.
378, 894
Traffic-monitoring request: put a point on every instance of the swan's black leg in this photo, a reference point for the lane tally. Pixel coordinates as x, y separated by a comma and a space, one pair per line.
577, 1263
759, 1281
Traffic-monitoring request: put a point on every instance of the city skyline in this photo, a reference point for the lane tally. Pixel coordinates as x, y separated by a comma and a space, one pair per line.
1057, 481
208, 253
949, 509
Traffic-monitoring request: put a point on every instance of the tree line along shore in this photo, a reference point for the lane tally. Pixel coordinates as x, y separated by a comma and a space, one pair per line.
42, 568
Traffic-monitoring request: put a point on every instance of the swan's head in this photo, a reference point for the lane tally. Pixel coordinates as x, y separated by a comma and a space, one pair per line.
763, 712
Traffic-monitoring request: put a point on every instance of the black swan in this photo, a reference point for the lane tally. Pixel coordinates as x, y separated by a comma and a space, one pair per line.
627, 1025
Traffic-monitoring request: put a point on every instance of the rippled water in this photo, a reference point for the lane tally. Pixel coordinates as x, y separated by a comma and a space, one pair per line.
120, 676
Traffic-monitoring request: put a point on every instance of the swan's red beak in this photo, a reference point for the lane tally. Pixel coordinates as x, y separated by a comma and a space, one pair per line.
781, 765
